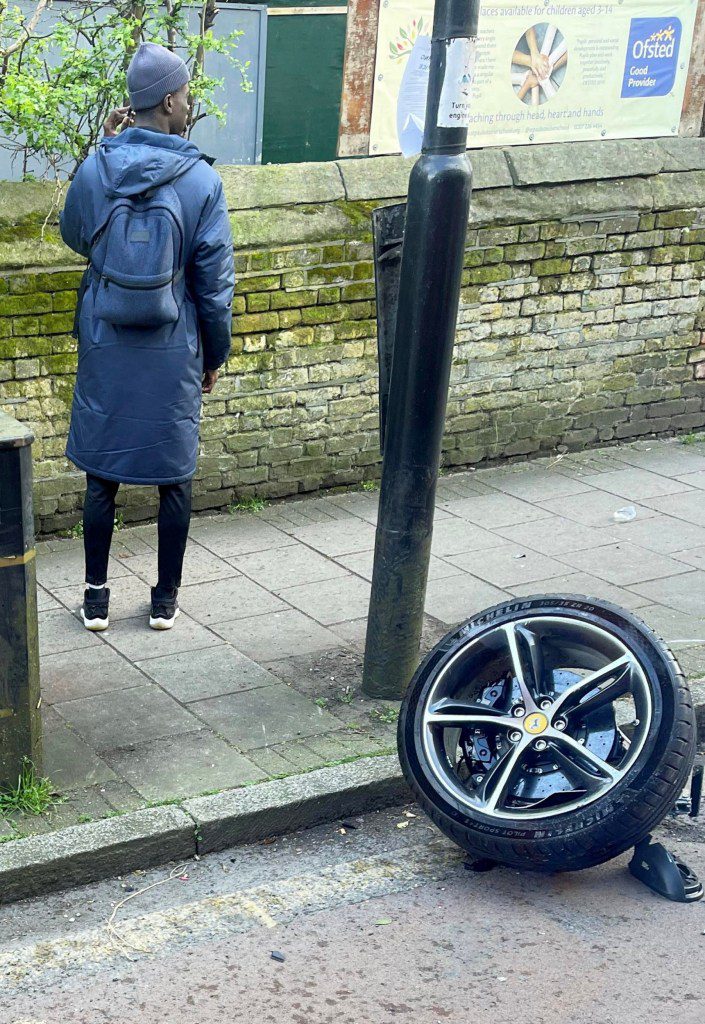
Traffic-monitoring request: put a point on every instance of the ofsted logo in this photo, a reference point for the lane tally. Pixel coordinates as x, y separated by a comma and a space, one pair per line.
652, 56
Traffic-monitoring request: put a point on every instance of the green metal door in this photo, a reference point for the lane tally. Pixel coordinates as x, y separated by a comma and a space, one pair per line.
304, 79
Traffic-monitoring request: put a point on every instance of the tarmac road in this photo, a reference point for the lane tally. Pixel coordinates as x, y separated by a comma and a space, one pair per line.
378, 923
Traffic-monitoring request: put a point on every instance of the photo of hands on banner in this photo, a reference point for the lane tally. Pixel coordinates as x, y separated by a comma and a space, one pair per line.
539, 64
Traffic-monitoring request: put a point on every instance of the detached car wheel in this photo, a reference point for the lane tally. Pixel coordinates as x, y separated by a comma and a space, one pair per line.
552, 732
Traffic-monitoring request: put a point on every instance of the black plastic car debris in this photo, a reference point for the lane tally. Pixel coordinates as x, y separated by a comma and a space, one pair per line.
658, 869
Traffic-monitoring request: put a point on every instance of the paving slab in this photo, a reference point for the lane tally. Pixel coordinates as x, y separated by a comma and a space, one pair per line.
129, 597
62, 631
495, 510
286, 567
64, 567
455, 535
200, 565
227, 536
684, 593
553, 535
359, 503
693, 557
636, 484
331, 601
508, 564
678, 628
664, 534
45, 601
596, 508
624, 564
362, 563
110, 721
135, 640
467, 596
183, 766
264, 717
224, 600
338, 538
689, 506
270, 637
207, 672
532, 484
672, 459
86, 671
68, 760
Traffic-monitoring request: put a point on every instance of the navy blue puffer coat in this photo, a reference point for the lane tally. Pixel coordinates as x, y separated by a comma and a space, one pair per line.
137, 401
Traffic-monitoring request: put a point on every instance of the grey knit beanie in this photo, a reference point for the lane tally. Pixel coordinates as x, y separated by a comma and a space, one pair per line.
154, 72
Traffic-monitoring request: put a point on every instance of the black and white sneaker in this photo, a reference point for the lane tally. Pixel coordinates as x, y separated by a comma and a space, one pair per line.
165, 609
94, 610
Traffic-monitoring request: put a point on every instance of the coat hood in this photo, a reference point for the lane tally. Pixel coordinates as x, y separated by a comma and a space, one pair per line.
138, 159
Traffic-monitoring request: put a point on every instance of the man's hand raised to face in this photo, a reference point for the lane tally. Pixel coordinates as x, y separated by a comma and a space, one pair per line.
209, 380
117, 120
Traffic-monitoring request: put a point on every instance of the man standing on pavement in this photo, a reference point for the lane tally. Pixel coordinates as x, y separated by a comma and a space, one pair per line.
153, 322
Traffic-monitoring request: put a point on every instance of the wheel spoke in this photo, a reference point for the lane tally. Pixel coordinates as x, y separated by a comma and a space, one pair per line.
611, 681
498, 779
451, 713
510, 631
570, 752
533, 643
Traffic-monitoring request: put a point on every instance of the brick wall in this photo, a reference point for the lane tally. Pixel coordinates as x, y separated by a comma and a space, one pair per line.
580, 321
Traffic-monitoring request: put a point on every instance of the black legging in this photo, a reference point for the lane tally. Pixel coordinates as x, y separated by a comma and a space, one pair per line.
172, 525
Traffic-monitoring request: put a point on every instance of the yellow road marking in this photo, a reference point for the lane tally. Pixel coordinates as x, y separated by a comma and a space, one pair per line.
260, 906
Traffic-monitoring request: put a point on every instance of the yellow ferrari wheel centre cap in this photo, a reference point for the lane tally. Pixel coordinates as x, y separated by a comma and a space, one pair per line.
535, 723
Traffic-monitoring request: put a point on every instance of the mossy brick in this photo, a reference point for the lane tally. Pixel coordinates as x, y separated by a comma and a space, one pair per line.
22, 305
5, 328
258, 302
551, 268
289, 317
355, 250
488, 274
283, 299
353, 329
60, 281
242, 263
586, 246
529, 232
329, 275
63, 301
24, 326
251, 323
670, 254
325, 314
498, 235
365, 271
262, 283
676, 218
295, 279
288, 259
260, 261
524, 251
359, 290
56, 323
21, 284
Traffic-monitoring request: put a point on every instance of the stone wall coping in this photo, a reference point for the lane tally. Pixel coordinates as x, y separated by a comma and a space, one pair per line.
294, 204
13, 434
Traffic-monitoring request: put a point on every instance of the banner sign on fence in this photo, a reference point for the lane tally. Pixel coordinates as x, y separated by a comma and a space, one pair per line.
544, 72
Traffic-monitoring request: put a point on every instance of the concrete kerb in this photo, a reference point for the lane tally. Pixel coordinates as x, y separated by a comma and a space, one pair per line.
141, 839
